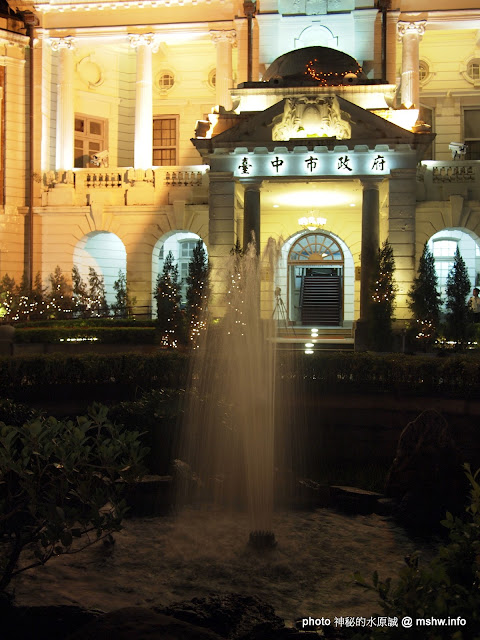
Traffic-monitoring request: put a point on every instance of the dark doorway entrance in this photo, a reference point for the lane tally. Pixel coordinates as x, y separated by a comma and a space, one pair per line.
316, 281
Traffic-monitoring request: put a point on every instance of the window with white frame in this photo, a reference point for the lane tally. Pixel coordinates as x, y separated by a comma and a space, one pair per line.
165, 140
444, 254
90, 138
166, 80
473, 69
423, 71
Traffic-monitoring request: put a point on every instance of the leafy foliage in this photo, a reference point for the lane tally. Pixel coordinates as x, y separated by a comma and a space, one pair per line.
458, 288
424, 299
382, 300
447, 587
59, 486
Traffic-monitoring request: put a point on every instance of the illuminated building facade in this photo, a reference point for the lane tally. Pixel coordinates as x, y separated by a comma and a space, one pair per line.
323, 141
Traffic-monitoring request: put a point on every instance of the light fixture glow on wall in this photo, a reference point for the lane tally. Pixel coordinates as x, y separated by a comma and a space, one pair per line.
312, 222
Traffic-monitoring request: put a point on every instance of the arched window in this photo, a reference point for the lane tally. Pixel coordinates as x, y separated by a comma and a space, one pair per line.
443, 246
316, 247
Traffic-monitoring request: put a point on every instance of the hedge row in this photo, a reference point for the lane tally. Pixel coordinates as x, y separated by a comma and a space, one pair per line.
163, 369
103, 334
453, 376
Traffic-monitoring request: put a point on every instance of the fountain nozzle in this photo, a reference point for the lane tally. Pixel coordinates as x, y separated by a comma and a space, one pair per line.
262, 540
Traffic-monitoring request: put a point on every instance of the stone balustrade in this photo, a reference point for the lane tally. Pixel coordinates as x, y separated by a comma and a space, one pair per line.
112, 185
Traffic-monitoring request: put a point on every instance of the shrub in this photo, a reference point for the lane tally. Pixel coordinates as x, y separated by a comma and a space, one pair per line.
59, 486
15, 413
448, 586
156, 413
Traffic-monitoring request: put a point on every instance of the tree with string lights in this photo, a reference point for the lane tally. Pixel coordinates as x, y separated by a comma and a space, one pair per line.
382, 299
235, 299
80, 294
197, 291
8, 298
60, 301
167, 296
458, 288
424, 300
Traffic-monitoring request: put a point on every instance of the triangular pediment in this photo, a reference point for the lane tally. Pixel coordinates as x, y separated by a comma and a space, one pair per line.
322, 120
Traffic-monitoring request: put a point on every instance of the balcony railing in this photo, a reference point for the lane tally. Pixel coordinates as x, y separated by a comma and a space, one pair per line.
114, 183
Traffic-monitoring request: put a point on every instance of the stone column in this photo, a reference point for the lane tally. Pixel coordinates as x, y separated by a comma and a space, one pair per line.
64, 157
370, 245
146, 45
410, 33
251, 215
224, 41
221, 236
402, 204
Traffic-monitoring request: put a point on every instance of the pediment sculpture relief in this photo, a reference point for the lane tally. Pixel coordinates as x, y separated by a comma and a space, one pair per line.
311, 117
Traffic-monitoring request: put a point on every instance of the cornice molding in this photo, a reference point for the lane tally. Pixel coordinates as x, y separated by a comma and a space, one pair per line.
13, 39
111, 5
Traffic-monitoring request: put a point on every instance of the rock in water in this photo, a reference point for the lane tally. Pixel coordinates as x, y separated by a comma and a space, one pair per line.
426, 477
230, 615
137, 623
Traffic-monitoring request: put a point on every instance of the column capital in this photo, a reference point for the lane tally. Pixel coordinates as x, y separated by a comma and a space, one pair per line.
410, 27
148, 39
251, 184
224, 35
370, 182
62, 43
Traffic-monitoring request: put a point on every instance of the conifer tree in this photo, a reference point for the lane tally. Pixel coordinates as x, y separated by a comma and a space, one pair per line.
23, 300
96, 294
167, 296
123, 304
424, 298
37, 296
60, 300
458, 288
30, 300
382, 300
197, 291
8, 298
80, 293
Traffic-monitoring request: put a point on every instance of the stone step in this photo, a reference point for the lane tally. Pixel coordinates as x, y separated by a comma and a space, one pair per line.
354, 500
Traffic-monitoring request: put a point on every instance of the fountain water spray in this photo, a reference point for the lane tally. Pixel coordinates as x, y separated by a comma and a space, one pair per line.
228, 438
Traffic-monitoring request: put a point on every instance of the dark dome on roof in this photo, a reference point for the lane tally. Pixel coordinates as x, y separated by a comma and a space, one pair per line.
314, 66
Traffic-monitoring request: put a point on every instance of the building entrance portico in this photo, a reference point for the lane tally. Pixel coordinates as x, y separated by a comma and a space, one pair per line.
319, 157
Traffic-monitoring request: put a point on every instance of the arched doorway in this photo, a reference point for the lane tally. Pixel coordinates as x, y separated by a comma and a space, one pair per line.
315, 280
105, 253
